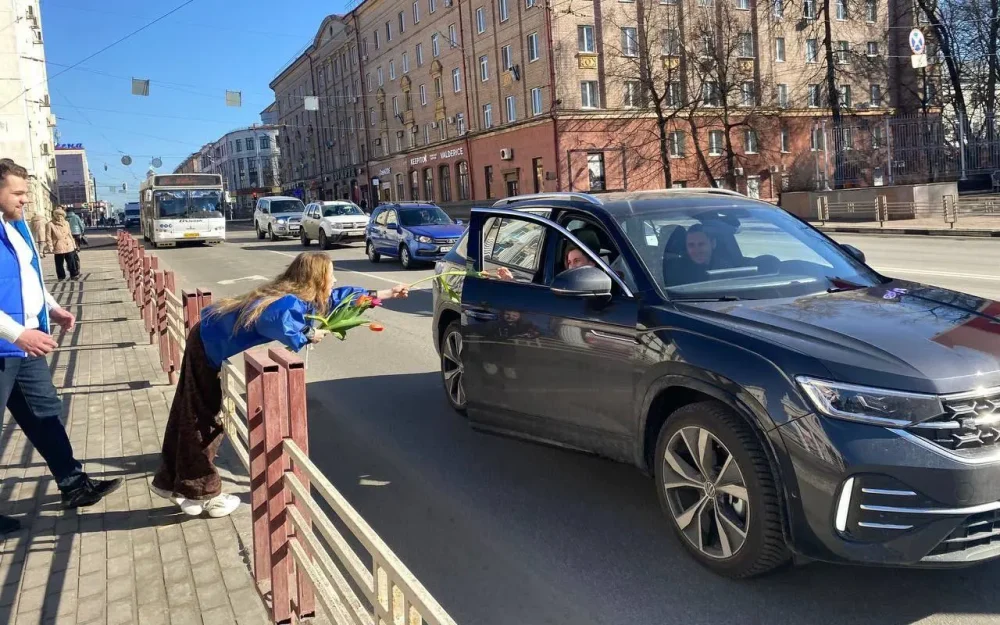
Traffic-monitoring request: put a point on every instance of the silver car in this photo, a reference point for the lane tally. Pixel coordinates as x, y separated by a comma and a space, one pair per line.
333, 222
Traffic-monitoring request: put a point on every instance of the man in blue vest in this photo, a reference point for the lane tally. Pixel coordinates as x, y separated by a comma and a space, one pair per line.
26, 389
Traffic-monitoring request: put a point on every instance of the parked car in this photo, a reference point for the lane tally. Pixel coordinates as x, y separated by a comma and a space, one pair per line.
333, 222
278, 216
413, 232
787, 398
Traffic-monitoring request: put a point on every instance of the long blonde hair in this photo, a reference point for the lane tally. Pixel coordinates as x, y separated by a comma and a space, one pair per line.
308, 277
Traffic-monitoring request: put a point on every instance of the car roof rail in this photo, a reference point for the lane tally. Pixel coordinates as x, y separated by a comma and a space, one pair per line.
677, 191
559, 195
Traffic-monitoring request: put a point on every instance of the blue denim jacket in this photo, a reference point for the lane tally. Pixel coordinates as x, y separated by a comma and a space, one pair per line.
284, 321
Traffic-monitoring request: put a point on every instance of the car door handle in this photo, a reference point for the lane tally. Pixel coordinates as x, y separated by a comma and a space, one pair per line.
481, 315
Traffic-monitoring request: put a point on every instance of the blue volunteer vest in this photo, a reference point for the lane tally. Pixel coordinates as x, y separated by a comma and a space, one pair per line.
11, 289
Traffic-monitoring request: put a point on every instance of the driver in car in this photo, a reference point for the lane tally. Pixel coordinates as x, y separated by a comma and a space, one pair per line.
574, 258
700, 246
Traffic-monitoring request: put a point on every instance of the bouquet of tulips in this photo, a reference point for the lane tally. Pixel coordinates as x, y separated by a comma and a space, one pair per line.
348, 315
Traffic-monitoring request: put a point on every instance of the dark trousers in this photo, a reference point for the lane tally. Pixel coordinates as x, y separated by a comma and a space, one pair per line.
194, 433
72, 262
27, 391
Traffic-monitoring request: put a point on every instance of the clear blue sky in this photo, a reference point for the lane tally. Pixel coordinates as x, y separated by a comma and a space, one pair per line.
191, 58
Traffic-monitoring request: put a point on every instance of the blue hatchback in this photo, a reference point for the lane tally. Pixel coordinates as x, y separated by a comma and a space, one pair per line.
414, 232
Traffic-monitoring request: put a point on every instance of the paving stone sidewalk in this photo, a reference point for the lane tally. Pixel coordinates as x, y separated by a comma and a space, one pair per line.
133, 558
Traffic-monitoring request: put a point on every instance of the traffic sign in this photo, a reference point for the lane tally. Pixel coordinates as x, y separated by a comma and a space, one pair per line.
917, 42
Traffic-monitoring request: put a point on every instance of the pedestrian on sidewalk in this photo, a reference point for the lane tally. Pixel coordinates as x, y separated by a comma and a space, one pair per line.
77, 228
39, 230
64, 246
275, 311
26, 389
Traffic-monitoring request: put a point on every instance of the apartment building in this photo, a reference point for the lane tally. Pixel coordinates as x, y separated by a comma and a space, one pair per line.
247, 158
76, 186
458, 100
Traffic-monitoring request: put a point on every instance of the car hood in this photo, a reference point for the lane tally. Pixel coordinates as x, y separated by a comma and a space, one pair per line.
346, 219
446, 231
292, 216
901, 334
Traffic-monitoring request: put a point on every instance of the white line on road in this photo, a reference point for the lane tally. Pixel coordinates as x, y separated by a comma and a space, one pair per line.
244, 278
944, 274
360, 273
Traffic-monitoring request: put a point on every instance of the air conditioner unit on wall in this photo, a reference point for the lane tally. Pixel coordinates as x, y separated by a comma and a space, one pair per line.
451, 120
506, 154
738, 171
434, 124
775, 169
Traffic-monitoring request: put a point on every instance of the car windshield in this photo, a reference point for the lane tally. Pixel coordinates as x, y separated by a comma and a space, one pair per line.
196, 203
746, 252
287, 206
339, 210
424, 216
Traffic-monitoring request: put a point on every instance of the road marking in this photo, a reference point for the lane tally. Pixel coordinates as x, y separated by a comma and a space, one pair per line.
244, 278
944, 274
360, 273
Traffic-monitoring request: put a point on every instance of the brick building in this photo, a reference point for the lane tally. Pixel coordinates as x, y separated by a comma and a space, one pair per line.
463, 100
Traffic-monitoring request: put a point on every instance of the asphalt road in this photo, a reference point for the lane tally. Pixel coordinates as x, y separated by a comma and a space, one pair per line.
504, 532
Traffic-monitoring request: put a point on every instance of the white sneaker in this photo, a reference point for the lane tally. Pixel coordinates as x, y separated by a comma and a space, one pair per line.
221, 505
190, 507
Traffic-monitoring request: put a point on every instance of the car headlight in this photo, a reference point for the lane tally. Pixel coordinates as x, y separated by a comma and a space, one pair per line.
424, 239
874, 406
281, 220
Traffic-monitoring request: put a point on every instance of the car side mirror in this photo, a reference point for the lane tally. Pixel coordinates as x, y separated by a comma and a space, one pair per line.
854, 252
582, 282
458, 222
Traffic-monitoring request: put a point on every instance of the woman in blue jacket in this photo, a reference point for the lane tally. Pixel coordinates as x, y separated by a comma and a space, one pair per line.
275, 311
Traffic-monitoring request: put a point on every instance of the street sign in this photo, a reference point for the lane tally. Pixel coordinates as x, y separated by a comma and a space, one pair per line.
917, 43
919, 61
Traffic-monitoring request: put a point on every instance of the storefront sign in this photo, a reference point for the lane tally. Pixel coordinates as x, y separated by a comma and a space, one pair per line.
69, 146
452, 153
385, 171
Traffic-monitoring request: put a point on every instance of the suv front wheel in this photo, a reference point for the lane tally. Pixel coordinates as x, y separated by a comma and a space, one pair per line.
256, 226
715, 484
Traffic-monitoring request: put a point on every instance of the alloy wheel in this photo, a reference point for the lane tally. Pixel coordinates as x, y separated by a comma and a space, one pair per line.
706, 492
452, 368
404, 257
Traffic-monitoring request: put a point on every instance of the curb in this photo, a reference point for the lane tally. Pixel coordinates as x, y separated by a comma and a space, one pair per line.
939, 232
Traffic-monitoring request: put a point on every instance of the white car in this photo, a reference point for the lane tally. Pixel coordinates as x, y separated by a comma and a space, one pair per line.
333, 222
278, 216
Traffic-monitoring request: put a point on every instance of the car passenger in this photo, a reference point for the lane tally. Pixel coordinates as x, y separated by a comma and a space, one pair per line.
574, 258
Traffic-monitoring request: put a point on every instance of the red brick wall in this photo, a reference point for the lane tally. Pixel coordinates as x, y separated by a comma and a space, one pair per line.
528, 142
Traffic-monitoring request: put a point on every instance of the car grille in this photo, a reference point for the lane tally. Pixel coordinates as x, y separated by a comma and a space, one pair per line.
969, 423
977, 531
446, 241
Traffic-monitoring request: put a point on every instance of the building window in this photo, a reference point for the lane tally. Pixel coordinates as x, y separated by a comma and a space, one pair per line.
368, 82
487, 116
779, 9
872, 48
460, 123
388, 31
536, 101
843, 52
539, 177
435, 45
750, 141
817, 140
715, 143
456, 80
484, 68
376, 39
463, 180
431, 6
786, 141
595, 171
488, 177
420, 55
511, 106
239, 146
677, 144
813, 97
392, 70
811, 51
371, 113
438, 88
414, 179
630, 41
452, 35
841, 10
748, 93
875, 95
743, 5
480, 20
630, 97
427, 134
406, 63
871, 10
809, 9
395, 106
423, 95
265, 143
585, 38
589, 96
504, 14
746, 46
783, 96
877, 137
779, 49
708, 45
846, 138
533, 47
445, 176
402, 22
429, 182
845, 96
416, 20
710, 95
250, 144
673, 96
506, 58
381, 77
671, 42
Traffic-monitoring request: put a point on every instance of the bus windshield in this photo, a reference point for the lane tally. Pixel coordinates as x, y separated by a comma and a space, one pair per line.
196, 203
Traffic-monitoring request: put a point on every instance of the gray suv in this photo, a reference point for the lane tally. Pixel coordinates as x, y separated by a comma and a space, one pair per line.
278, 216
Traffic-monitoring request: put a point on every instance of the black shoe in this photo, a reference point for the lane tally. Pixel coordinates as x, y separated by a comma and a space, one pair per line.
8, 525
89, 492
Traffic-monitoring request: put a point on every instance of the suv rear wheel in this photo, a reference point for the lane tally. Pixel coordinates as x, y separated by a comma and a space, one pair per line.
452, 369
303, 238
715, 484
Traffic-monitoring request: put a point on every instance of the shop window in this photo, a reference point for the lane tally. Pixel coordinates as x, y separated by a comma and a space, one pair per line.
445, 177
